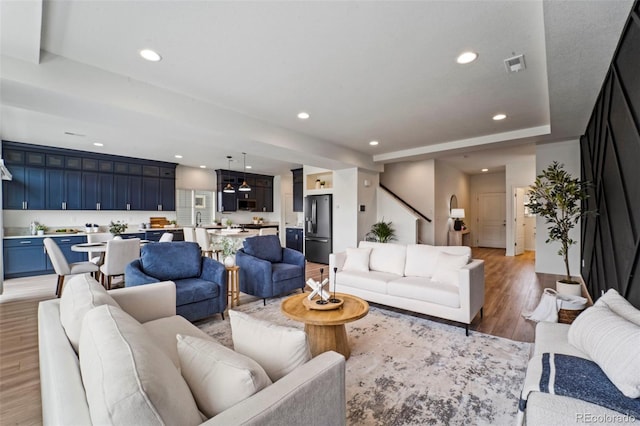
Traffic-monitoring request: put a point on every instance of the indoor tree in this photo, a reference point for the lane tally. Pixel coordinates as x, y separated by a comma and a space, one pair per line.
558, 198
381, 232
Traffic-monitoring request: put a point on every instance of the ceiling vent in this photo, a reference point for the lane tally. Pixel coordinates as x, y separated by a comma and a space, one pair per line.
515, 64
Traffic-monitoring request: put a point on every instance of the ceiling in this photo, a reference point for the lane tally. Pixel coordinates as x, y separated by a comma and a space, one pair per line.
234, 75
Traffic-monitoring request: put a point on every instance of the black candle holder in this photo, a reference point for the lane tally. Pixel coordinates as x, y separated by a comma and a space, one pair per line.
321, 301
334, 299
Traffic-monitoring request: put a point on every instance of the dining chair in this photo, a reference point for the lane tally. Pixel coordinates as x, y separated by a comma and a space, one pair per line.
118, 255
268, 231
98, 237
167, 237
204, 241
189, 234
62, 266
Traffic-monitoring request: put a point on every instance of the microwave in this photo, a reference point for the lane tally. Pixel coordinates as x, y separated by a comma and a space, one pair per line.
247, 204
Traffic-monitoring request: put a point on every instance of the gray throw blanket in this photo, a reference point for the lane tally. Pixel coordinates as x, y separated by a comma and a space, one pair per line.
574, 377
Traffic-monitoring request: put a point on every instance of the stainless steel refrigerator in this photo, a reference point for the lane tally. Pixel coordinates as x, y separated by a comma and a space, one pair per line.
318, 226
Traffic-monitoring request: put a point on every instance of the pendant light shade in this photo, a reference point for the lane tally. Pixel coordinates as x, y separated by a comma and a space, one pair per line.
244, 187
229, 189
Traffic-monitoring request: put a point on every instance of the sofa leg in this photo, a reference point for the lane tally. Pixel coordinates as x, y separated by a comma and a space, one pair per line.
222, 313
466, 326
264, 302
482, 312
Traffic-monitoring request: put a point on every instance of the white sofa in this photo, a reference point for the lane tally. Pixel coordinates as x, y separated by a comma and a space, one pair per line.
313, 393
441, 281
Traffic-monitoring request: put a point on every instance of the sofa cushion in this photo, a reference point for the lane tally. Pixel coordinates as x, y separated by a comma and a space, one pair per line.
191, 290
421, 260
127, 378
426, 290
612, 342
371, 281
81, 294
357, 259
266, 247
172, 261
285, 271
218, 377
620, 306
279, 350
448, 268
163, 332
553, 337
386, 257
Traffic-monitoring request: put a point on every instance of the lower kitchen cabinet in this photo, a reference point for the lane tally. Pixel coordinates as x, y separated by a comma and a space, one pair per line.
24, 257
294, 239
178, 234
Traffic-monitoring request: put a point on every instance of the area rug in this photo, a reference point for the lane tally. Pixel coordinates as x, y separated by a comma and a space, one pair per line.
406, 370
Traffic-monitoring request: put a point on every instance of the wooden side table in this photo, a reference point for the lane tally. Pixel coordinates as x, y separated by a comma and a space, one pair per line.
233, 286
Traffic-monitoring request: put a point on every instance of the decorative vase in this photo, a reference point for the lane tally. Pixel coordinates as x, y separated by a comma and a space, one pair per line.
317, 184
88, 230
40, 232
117, 237
230, 261
571, 289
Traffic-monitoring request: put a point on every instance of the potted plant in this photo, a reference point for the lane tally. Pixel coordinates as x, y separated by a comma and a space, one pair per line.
558, 198
117, 228
40, 228
381, 232
229, 222
229, 247
322, 183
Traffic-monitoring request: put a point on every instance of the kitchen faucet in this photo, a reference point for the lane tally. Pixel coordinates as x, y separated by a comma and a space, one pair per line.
198, 219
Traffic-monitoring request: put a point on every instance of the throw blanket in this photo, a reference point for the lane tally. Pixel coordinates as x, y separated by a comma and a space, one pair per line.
574, 377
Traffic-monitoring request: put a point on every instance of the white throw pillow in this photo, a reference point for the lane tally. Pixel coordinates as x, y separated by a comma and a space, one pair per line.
81, 294
279, 350
129, 380
218, 377
448, 268
620, 306
612, 342
357, 259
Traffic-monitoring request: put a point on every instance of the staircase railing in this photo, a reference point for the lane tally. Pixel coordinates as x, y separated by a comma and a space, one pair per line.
409, 206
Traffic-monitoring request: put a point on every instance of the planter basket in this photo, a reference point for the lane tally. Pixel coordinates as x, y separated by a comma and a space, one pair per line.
566, 316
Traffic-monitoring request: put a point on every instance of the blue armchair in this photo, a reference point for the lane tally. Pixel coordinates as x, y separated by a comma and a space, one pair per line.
267, 269
201, 282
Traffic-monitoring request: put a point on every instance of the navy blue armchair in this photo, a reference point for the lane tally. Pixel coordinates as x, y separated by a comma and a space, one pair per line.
267, 269
201, 282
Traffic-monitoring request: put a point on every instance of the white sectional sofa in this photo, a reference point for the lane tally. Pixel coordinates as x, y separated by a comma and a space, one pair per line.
141, 327
441, 281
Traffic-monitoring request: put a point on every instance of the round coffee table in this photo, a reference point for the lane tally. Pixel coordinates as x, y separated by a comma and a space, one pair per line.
326, 329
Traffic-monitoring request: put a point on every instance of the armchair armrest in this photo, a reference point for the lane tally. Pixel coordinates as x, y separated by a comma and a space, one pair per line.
261, 268
212, 270
313, 393
471, 282
293, 257
147, 302
133, 275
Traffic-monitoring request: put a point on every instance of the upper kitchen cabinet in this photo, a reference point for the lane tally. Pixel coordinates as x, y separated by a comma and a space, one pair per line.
298, 190
260, 197
63, 179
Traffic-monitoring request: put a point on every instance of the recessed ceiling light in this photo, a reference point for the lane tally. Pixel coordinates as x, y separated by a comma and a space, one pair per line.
247, 167
98, 144
467, 57
485, 170
178, 156
303, 115
373, 143
150, 55
203, 167
499, 117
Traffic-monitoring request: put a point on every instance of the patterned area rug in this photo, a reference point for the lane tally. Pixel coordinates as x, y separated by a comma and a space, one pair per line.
406, 370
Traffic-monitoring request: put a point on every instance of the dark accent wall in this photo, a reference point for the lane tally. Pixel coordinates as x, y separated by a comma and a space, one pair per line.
611, 161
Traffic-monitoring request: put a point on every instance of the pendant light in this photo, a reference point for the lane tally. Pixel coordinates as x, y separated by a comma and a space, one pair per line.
229, 188
244, 187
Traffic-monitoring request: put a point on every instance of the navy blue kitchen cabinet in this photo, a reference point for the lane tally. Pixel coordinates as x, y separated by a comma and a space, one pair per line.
294, 239
64, 189
154, 235
150, 193
167, 194
298, 199
128, 192
27, 189
24, 257
97, 191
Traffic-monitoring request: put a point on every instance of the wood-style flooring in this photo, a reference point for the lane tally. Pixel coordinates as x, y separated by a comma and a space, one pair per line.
511, 286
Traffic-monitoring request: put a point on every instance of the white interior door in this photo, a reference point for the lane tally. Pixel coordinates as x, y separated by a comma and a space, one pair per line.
492, 220
520, 223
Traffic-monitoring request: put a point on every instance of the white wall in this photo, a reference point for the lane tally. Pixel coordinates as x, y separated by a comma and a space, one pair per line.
367, 196
547, 258
345, 209
518, 174
482, 184
403, 220
195, 178
448, 181
414, 181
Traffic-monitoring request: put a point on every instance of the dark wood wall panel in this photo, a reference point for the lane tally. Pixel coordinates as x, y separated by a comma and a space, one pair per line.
610, 151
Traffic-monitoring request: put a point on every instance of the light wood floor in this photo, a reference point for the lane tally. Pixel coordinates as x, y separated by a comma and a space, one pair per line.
511, 285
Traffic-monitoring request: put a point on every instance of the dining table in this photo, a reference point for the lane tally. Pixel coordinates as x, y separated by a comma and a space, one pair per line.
97, 247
